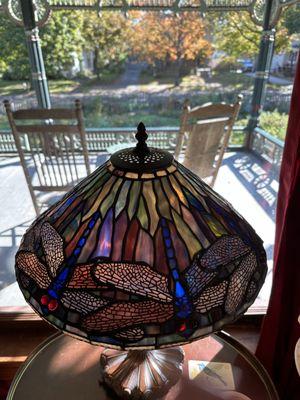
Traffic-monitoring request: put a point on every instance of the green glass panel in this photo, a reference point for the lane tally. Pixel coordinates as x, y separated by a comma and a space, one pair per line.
57, 322
177, 189
151, 204
108, 202
93, 186
167, 339
162, 203
105, 190
190, 220
171, 195
185, 183
90, 201
122, 198
215, 226
142, 214
134, 196
72, 228
90, 244
192, 244
200, 195
146, 342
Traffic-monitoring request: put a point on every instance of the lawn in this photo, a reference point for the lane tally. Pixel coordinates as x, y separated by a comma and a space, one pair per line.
63, 86
130, 119
231, 80
126, 110
60, 86
221, 80
106, 78
11, 88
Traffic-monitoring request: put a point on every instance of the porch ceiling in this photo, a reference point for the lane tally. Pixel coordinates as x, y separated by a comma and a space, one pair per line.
256, 8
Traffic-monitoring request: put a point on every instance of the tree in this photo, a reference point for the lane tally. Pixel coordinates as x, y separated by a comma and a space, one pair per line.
238, 36
291, 19
14, 62
169, 38
106, 37
60, 40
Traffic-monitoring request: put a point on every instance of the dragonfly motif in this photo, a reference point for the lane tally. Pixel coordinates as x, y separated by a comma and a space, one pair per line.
120, 298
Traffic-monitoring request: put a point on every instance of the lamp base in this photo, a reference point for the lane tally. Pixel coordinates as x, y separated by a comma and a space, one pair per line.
142, 374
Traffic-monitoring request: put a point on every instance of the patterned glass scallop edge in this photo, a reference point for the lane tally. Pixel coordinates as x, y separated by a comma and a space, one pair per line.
130, 260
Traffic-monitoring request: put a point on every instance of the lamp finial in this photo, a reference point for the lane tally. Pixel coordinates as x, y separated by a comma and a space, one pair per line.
141, 136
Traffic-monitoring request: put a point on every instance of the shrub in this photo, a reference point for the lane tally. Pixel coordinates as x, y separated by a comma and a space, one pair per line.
227, 64
275, 123
272, 122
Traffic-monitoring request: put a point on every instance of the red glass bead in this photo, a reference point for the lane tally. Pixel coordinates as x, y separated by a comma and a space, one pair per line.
182, 327
45, 300
53, 304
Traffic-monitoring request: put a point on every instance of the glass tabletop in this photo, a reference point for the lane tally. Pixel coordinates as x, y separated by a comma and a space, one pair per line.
65, 368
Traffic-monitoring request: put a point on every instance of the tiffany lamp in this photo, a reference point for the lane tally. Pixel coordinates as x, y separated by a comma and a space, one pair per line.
139, 257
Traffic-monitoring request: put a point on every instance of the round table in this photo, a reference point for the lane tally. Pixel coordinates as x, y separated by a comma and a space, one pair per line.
65, 368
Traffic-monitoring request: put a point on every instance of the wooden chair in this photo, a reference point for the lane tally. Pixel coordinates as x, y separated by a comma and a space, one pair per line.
207, 129
50, 144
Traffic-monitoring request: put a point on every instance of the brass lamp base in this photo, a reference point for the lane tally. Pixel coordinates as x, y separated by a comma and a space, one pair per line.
142, 374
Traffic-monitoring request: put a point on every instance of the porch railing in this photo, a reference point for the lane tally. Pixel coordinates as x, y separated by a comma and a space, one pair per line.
267, 146
98, 139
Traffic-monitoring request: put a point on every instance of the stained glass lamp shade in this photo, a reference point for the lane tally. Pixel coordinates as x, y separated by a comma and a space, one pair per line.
141, 254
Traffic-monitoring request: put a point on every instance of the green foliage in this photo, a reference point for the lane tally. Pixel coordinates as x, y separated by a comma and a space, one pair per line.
291, 19
237, 138
227, 64
106, 37
61, 41
13, 56
238, 36
275, 123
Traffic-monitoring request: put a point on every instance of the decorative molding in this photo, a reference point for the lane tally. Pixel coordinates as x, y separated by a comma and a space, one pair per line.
44, 7
13, 9
257, 11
